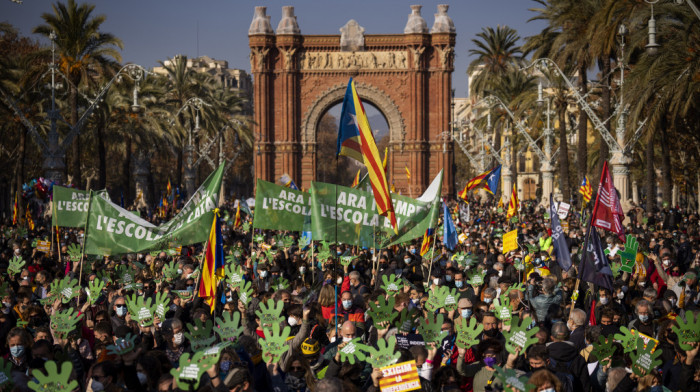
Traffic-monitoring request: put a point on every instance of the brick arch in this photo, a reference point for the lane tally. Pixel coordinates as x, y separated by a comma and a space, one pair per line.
335, 95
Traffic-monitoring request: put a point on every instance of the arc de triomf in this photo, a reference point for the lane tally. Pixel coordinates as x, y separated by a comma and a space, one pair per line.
297, 78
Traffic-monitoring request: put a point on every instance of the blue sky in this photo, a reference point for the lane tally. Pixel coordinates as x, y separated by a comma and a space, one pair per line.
155, 30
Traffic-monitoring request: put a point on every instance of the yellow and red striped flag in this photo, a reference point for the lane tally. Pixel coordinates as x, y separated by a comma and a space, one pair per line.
356, 180
408, 173
427, 241
237, 220
513, 204
212, 264
386, 154
15, 212
355, 140
28, 217
586, 190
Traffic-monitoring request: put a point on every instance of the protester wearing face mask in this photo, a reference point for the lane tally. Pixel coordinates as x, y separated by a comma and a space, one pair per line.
539, 362
566, 358
19, 343
483, 371
465, 308
120, 313
645, 317
662, 277
464, 289
605, 301
175, 342
102, 377
350, 311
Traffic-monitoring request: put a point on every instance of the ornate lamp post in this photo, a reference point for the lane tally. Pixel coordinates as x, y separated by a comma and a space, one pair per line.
546, 166
197, 104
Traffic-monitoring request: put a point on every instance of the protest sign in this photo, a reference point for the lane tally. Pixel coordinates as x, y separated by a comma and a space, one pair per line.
400, 377
70, 206
43, 246
510, 241
563, 210
280, 208
114, 230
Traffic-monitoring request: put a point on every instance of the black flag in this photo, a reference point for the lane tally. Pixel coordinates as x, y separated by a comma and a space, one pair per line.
594, 266
561, 249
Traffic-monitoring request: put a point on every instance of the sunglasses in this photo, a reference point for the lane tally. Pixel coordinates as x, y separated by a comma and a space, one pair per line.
121, 306
296, 369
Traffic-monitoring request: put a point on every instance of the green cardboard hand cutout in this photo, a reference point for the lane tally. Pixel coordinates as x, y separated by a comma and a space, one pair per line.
384, 355
603, 349
16, 265
629, 254
383, 311
615, 268
53, 380
259, 238
519, 287
688, 330
644, 360
476, 277
275, 343
5, 374
200, 335
245, 227
190, 370
234, 274
64, 322
245, 293
392, 284
503, 309
140, 310
94, 290
406, 320
160, 307
170, 271
122, 345
511, 382
432, 332
281, 284
627, 339
347, 260
468, 333
229, 326
353, 351
271, 313
520, 336
74, 252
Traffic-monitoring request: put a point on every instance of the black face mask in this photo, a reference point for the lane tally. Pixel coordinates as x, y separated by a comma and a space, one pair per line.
534, 369
491, 332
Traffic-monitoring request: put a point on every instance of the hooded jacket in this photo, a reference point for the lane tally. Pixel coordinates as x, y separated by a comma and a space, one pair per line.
564, 357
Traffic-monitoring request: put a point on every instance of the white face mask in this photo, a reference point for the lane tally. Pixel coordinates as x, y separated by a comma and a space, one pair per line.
143, 378
620, 295
345, 340
407, 260
96, 386
292, 321
263, 274
339, 281
436, 281
178, 338
302, 269
666, 262
500, 273
604, 300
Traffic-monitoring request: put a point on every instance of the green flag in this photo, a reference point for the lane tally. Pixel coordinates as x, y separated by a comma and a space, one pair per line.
70, 206
280, 208
350, 215
113, 230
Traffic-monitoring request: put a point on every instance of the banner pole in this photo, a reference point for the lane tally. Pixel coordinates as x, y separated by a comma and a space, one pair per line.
82, 252
432, 257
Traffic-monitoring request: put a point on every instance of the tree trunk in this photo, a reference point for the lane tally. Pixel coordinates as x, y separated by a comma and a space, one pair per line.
75, 166
178, 170
563, 158
666, 181
605, 113
650, 176
582, 148
101, 156
126, 169
19, 169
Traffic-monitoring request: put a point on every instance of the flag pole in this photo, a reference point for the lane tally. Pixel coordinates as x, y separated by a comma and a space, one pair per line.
578, 273
432, 257
335, 258
82, 252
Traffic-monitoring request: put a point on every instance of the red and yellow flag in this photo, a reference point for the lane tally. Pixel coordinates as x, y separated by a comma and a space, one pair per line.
28, 217
586, 190
237, 220
427, 241
513, 204
356, 180
408, 173
471, 184
212, 264
15, 212
386, 154
355, 140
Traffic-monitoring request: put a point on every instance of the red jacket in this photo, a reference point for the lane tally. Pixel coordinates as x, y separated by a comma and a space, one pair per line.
329, 311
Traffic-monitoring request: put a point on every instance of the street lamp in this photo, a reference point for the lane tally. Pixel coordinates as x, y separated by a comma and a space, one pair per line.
53, 151
197, 104
652, 48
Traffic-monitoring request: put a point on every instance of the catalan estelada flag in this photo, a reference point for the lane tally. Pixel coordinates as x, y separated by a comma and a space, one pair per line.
15, 212
356, 180
586, 190
237, 220
213, 264
287, 181
355, 140
168, 188
513, 204
427, 241
28, 217
489, 178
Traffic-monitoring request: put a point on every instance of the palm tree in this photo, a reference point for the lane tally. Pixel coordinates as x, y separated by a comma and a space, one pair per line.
498, 53
83, 51
564, 40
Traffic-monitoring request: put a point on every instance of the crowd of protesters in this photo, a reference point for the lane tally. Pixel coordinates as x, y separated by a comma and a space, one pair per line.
326, 306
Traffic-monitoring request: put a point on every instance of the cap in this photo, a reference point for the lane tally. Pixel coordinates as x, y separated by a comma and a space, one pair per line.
310, 346
464, 303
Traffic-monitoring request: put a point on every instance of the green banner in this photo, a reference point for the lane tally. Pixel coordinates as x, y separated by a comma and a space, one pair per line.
350, 215
70, 206
114, 230
280, 208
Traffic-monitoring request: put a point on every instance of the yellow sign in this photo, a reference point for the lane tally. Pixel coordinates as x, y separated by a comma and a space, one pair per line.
400, 377
43, 246
510, 241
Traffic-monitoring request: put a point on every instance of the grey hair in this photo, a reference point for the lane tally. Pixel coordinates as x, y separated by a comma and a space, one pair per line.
579, 317
329, 384
641, 303
615, 376
354, 275
649, 292
560, 331
548, 286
